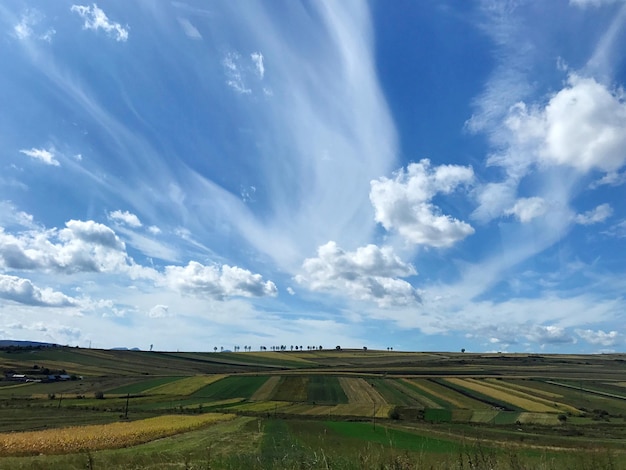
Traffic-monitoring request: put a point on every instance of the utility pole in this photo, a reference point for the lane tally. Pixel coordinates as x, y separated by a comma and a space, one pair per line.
126, 411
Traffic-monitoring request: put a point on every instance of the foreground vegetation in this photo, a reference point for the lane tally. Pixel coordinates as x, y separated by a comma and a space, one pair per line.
314, 409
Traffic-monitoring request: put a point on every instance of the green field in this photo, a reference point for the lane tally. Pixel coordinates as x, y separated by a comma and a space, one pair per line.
323, 409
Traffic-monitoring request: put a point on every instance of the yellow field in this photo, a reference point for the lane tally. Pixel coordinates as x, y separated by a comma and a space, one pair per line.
455, 399
185, 386
551, 404
356, 409
425, 401
278, 356
266, 390
522, 388
360, 391
292, 389
261, 407
106, 436
505, 396
538, 418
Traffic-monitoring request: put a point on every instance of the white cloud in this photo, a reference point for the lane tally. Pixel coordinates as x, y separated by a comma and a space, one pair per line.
549, 335
612, 178
582, 126
159, 311
217, 282
404, 203
28, 27
23, 291
43, 155
125, 217
79, 247
290, 291
96, 19
234, 78
594, 216
257, 59
11, 216
618, 230
526, 209
370, 273
600, 337
190, 30
154, 230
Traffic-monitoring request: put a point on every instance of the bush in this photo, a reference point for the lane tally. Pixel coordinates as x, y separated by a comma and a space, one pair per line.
99, 395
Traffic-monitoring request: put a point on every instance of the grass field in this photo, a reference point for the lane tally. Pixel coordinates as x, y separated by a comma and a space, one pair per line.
315, 409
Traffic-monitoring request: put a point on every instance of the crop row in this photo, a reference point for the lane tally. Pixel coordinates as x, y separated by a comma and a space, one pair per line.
106, 436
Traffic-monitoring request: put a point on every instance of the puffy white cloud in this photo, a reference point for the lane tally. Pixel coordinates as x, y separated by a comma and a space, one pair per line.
96, 19
154, 230
43, 155
28, 27
257, 59
594, 216
290, 291
582, 126
526, 209
82, 246
612, 178
217, 282
370, 273
23, 291
159, 311
190, 30
549, 335
404, 203
125, 217
600, 337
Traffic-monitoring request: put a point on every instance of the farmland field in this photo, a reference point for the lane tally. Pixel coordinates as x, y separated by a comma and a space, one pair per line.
338, 409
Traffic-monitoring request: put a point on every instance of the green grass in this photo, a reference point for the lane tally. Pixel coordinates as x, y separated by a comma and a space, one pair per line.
231, 387
325, 390
292, 389
139, 387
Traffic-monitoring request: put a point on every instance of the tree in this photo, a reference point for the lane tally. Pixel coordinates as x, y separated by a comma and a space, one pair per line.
338, 348
321, 348
463, 350
364, 348
215, 349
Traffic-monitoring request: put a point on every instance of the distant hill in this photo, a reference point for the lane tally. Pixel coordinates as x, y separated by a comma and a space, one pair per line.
6, 343
125, 349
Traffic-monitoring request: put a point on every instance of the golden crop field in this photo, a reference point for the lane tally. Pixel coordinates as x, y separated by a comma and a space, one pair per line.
550, 404
522, 388
366, 410
425, 401
450, 396
360, 391
227, 401
269, 355
292, 389
185, 386
106, 436
261, 407
505, 396
538, 418
265, 391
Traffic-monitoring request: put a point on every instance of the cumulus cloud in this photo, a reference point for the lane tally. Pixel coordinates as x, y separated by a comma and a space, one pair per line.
600, 337
612, 178
23, 291
159, 311
404, 203
190, 30
526, 209
82, 246
549, 335
370, 273
29, 27
43, 155
594, 216
217, 282
96, 19
582, 126
125, 217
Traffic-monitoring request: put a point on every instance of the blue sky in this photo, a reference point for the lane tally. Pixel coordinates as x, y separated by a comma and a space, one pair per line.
430, 175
